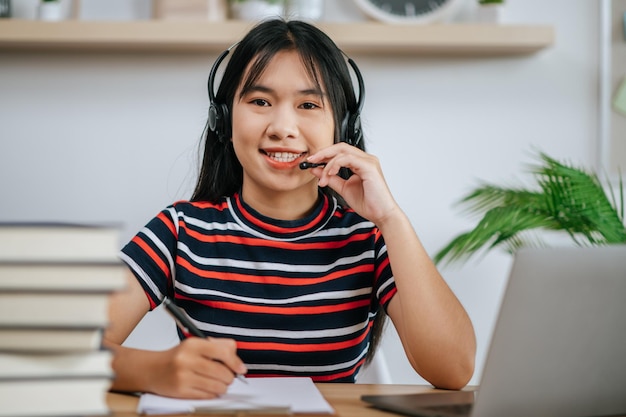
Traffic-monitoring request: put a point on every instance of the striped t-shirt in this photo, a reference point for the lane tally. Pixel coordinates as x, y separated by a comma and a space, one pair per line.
299, 297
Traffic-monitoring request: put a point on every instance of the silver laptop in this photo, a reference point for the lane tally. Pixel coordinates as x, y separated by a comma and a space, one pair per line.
558, 347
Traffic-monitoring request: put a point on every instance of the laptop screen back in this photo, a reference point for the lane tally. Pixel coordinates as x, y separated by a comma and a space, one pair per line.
559, 344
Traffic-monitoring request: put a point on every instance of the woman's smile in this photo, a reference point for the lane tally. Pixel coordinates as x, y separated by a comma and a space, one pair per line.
283, 159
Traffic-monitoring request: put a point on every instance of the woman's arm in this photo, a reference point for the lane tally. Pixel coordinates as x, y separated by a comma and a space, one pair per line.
434, 328
436, 332
188, 370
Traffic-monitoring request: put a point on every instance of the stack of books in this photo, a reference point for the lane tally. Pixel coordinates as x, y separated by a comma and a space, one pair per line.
55, 285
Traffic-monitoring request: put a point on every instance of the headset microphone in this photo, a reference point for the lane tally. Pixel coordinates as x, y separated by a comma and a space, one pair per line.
307, 165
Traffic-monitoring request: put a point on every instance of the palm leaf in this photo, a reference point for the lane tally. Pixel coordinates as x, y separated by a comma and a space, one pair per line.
577, 200
567, 199
499, 226
489, 196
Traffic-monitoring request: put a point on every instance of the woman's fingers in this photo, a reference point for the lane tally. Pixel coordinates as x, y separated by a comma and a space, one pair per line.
198, 368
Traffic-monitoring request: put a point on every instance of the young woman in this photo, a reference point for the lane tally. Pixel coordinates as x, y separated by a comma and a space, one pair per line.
287, 271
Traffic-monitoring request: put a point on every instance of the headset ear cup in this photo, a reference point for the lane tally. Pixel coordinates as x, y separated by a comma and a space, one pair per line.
213, 117
219, 116
355, 128
226, 132
351, 132
219, 121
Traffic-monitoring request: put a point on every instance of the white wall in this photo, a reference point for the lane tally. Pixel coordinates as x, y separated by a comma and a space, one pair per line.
112, 137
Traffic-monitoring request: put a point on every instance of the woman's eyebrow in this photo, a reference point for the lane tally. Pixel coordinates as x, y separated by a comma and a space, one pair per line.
257, 87
313, 92
264, 89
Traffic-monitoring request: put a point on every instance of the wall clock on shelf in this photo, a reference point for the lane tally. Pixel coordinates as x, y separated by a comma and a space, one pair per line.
409, 11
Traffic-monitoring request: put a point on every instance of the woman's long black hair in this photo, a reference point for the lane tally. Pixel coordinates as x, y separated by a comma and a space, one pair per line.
221, 173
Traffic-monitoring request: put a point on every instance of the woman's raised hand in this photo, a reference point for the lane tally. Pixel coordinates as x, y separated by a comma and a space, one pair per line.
366, 191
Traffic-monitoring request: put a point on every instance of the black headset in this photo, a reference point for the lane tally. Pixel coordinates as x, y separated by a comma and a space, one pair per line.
219, 115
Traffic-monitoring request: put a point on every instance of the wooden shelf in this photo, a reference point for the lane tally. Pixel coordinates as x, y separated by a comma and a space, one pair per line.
198, 36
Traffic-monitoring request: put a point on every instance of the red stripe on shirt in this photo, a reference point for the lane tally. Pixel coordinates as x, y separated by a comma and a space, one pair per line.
270, 279
308, 347
202, 237
154, 256
388, 296
315, 378
266, 309
167, 221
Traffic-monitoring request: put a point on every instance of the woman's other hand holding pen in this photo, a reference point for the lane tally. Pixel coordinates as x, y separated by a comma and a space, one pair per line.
197, 368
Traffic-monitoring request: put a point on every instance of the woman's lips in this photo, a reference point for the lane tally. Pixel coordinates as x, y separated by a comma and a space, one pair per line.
283, 159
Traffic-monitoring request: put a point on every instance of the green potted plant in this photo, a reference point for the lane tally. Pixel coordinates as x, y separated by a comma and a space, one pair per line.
566, 199
256, 9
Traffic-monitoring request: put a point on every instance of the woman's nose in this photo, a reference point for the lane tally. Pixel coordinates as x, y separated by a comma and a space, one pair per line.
283, 123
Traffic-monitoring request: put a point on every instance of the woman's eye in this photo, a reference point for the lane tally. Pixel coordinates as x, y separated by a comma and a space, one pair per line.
260, 102
309, 106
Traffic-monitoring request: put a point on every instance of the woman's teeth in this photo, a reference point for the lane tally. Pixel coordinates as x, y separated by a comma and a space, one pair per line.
283, 156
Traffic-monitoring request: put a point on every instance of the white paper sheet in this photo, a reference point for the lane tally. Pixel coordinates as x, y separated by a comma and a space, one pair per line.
295, 395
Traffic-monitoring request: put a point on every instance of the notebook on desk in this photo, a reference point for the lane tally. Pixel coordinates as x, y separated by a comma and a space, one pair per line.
558, 347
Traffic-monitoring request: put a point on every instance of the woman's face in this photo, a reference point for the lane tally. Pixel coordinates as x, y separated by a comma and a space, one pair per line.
283, 118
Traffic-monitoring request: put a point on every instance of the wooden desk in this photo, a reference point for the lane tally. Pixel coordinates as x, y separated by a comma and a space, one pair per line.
344, 398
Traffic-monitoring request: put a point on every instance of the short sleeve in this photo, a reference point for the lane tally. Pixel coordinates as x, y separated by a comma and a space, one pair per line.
385, 285
151, 255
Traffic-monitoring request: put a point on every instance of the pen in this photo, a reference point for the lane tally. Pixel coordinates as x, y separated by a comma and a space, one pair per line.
183, 322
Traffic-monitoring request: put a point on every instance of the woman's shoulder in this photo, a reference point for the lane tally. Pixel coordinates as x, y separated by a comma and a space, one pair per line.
348, 217
201, 204
188, 208
341, 209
